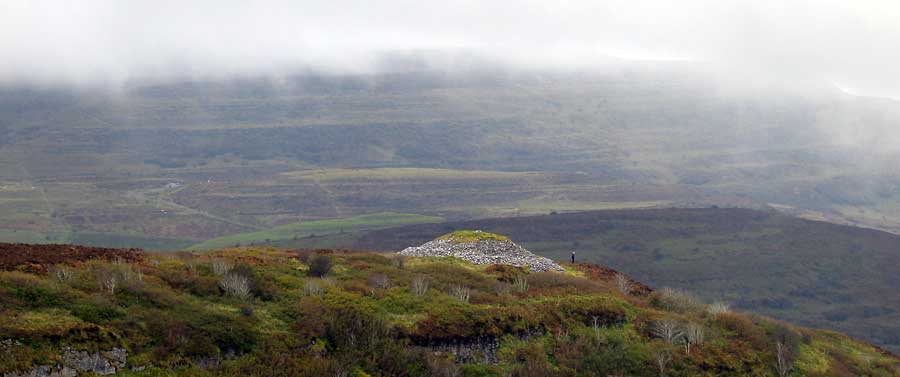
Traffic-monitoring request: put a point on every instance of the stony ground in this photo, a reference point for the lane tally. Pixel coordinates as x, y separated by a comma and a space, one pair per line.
484, 252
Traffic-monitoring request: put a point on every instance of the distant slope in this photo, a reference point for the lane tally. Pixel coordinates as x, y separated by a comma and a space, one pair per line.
813, 273
317, 228
197, 160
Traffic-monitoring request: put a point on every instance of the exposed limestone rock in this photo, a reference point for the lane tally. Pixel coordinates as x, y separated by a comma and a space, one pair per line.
75, 362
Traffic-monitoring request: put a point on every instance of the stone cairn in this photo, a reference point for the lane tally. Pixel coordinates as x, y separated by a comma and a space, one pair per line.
484, 251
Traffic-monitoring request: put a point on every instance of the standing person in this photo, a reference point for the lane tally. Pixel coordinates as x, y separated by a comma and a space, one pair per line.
573, 256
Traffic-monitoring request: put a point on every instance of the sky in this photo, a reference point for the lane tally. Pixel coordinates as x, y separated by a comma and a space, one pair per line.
853, 44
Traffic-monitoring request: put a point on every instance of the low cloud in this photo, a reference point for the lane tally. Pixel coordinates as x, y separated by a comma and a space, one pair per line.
855, 44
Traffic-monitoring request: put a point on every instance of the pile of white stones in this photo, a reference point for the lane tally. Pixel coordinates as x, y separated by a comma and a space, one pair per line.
484, 252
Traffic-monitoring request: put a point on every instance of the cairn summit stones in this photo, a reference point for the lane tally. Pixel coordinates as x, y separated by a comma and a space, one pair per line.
482, 248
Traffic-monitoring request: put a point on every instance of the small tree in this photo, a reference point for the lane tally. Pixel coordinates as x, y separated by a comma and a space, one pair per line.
109, 283
419, 285
320, 265
694, 334
784, 361
624, 284
662, 357
668, 330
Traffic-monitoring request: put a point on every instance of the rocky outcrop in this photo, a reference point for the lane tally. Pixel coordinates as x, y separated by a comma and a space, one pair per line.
484, 252
75, 362
465, 351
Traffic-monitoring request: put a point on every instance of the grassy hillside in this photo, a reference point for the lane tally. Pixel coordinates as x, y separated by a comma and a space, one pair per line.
812, 273
268, 312
317, 228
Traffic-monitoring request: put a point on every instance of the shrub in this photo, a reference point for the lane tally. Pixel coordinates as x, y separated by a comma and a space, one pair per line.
399, 261
98, 311
520, 284
312, 288
380, 281
744, 328
441, 366
530, 360
677, 300
62, 274
504, 272
220, 267
481, 370
562, 283
717, 308
618, 354
319, 265
27, 290
502, 288
461, 293
236, 285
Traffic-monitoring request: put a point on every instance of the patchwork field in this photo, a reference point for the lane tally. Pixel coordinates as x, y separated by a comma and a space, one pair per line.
313, 229
180, 163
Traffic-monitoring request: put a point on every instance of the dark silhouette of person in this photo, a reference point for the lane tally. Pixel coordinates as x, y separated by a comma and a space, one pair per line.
573, 256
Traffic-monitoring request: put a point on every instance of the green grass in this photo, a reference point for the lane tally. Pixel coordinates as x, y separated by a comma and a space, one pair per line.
26, 236
317, 228
462, 236
129, 241
405, 173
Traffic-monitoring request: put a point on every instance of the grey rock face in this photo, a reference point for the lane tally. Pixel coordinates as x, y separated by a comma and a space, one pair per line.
103, 363
484, 252
75, 362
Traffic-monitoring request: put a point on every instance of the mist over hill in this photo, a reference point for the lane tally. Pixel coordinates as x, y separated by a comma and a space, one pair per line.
732, 155
180, 162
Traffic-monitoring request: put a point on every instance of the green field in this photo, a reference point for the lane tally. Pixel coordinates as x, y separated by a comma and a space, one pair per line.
24, 236
317, 228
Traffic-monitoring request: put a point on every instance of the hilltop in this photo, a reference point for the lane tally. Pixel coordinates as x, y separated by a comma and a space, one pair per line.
272, 312
481, 247
812, 273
